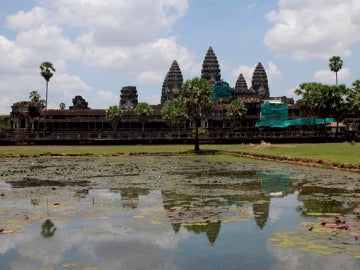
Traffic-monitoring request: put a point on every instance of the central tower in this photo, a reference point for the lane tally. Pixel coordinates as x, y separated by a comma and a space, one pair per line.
210, 70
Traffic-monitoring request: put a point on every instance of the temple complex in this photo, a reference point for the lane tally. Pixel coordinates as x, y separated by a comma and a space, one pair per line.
30, 123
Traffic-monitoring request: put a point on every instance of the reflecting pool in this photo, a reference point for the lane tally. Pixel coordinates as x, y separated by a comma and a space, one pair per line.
190, 212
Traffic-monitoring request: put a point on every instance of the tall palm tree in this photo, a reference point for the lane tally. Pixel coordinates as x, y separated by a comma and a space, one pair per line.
335, 64
46, 70
197, 96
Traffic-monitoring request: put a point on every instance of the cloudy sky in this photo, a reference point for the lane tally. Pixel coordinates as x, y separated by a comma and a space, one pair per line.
98, 47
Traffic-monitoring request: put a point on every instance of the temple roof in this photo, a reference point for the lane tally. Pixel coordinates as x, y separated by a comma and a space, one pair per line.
172, 84
241, 85
210, 68
259, 82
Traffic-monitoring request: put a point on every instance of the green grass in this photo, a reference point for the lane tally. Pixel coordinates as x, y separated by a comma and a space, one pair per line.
329, 152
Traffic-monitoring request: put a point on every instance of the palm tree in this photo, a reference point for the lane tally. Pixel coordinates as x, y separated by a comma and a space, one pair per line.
197, 102
335, 64
46, 70
34, 96
143, 112
113, 113
236, 111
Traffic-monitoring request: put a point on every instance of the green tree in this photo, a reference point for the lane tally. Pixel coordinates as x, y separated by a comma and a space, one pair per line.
143, 113
4, 122
197, 102
354, 98
173, 112
46, 70
34, 96
321, 100
236, 112
335, 64
42, 103
114, 113
339, 104
62, 106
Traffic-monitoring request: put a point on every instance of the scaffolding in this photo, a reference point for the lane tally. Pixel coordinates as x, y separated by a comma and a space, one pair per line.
220, 89
274, 113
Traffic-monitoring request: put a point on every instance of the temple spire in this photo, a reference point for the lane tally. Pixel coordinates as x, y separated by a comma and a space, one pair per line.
241, 89
210, 70
241, 85
172, 84
259, 83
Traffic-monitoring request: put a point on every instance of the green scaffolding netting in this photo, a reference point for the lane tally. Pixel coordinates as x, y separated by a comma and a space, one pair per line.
274, 112
274, 182
276, 115
220, 89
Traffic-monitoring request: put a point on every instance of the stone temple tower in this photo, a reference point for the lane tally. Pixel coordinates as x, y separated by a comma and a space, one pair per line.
210, 70
241, 89
259, 83
172, 84
128, 97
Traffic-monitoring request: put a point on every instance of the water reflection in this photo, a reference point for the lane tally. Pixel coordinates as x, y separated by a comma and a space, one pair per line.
48, 229
199, 212
130, 196
326, 200
214, 219
274, 183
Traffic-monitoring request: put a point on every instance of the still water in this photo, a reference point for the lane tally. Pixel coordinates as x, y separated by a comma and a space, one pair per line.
243, 216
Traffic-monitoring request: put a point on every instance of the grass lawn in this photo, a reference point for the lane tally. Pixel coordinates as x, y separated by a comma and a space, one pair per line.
329, 152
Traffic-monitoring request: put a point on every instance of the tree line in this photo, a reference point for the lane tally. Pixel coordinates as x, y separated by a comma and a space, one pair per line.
323, 100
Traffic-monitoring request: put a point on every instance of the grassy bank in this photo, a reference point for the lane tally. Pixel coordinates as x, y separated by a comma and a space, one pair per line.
330, 152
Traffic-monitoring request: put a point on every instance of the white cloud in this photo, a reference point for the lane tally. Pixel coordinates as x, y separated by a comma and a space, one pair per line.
328, 77
314, 29
121, 23
25, 21
290, 93
106, 98
150, 77
4, 100
246, 71
153, 58
48, 41
273, 72
154, 99
13, 57
126, 37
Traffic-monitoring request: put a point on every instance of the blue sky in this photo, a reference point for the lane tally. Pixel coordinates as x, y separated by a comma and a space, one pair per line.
97, 46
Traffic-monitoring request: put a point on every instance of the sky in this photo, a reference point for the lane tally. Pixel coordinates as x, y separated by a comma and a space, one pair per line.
97, 47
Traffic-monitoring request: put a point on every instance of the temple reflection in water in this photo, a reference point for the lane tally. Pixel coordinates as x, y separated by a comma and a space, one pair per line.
200, 211
205, 206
